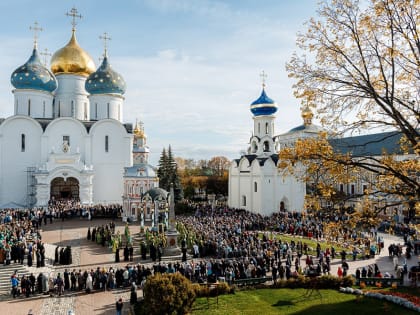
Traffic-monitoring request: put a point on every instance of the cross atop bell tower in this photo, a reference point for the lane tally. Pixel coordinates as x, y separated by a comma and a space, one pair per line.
263, 76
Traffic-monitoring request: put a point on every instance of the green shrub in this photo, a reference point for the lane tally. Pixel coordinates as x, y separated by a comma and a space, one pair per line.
168, 294
212, 291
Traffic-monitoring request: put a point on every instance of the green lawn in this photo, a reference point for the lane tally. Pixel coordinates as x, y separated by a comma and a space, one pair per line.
312, 244
294, 301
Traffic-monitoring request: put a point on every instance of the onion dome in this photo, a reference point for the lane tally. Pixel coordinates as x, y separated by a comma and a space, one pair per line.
105, 80
72, 59
34, 75
139, 131
263, 105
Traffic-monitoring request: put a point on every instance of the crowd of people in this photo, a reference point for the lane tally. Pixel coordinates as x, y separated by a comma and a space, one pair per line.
20, 238
228, 244
78, 280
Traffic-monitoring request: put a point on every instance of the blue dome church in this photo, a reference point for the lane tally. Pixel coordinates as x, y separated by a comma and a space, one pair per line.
66, 139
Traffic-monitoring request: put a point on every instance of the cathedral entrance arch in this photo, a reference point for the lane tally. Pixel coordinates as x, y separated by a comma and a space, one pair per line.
284, 204
64, 188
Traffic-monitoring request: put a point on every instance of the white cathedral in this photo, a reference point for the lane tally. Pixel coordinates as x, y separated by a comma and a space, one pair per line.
255, 182
66, 138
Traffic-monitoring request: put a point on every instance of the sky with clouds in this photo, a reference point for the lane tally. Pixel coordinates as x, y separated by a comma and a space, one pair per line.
192, 67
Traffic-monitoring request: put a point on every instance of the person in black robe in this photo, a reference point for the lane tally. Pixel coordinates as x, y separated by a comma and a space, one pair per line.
117, 255
39, 283
153, 252
42, 252
126, 253
38, 258
29, 259
131, 253
143, 250
62, 257
56, 260
66, 280
89, 235
184, 254
94, 235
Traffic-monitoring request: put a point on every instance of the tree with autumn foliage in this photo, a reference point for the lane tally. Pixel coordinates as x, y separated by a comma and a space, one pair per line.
359, 69
207, 176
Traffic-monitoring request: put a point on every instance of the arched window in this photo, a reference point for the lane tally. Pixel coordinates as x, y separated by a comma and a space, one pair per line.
72, 109
259, 129
266, 128
22, 142
59, 109
29, 107
107, 110
85, 111
244, 200
106, 144
254, 147
255, 187
266, 146
96, 110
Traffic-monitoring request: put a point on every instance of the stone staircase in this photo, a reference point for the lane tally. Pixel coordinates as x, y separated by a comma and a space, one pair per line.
7, 270
5, 274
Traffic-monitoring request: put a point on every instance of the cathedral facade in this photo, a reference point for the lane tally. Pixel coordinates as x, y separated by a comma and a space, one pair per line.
66, 138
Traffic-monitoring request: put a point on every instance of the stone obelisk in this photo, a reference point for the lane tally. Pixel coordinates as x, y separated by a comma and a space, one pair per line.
172, 248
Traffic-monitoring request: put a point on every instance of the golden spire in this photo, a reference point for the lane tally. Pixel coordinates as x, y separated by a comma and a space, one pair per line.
105, 38
36, 28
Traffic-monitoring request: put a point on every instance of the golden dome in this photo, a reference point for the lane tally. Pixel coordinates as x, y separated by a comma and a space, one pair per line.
139, 131
72, 59
307, 115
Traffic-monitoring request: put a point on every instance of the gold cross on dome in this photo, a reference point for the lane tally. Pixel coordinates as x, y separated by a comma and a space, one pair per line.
45, 54
36, 28
73, 13
105, 38
263, 76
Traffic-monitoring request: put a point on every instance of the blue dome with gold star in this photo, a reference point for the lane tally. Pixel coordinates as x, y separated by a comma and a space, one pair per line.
105, 80
263, 105
34, 75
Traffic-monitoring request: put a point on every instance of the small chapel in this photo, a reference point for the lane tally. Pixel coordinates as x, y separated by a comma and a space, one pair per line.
67, 138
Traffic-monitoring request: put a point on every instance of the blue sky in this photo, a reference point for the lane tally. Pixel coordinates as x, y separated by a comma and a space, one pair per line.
191, 66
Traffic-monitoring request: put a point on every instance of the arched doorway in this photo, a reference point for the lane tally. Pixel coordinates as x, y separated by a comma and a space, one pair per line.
62, 188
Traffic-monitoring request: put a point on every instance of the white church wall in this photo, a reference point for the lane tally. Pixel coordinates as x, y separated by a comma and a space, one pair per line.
64, 128
109, 166
16, 155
